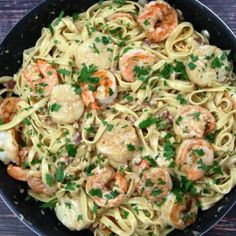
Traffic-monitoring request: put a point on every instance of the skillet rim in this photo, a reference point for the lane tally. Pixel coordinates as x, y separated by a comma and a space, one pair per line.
28, 15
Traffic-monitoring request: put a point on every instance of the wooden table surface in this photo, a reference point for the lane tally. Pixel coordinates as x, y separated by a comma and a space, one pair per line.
13, 10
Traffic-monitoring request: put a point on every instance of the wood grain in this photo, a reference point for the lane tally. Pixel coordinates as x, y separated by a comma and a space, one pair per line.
13, 10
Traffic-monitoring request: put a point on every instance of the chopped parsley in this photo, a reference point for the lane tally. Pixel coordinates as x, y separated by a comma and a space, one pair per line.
26, 122
71, 150
146, 22
148, 183
146, 123
169, 150
126, 214
88, 170
57, 21
200, 152
193, 58
111, 92
142, 73
55, 107
216, 63
112, 195
49, 179
182, 186
196, 115
178, 120
51, 29
151, 161
60, 174
96, 192
130, 147
181, 99
80, 217
51, 204
75, 16
156, 192
192, 66
105, 40
120, 2
86, 74
64, 72
77, 89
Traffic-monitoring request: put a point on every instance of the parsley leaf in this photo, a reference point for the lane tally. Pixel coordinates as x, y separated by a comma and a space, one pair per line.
156, 192
130, 147
51, 204
112, 195
142, 73
192, 66
49, 179
181, 99
96, 192
77, 89
55, 107
71, 150
86, 74
146, 123
60, 174
216, 63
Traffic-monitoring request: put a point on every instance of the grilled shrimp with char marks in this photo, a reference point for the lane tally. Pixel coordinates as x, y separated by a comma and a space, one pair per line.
193, 122
158, 19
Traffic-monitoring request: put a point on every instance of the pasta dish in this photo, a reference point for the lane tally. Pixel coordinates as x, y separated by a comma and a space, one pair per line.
122, 119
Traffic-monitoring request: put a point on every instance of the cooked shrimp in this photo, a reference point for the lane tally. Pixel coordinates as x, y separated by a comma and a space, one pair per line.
8, 109
193, 155
69, 105
133, 60
9, 150
17, 172
34, 180
155, 183
158, 19
41, 78
105, 91
114, 143
180, 215
207, 66
106, 187
193, 122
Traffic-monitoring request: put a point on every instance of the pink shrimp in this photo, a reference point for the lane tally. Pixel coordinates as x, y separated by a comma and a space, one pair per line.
41, 78
133, 60
192, 155
107, 187
193, 122
158, 19
104, 92
155, 183
8, 109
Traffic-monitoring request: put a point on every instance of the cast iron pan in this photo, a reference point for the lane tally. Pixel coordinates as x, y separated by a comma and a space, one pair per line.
23, 36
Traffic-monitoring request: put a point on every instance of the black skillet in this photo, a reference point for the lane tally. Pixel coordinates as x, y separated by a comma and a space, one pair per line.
24, 35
